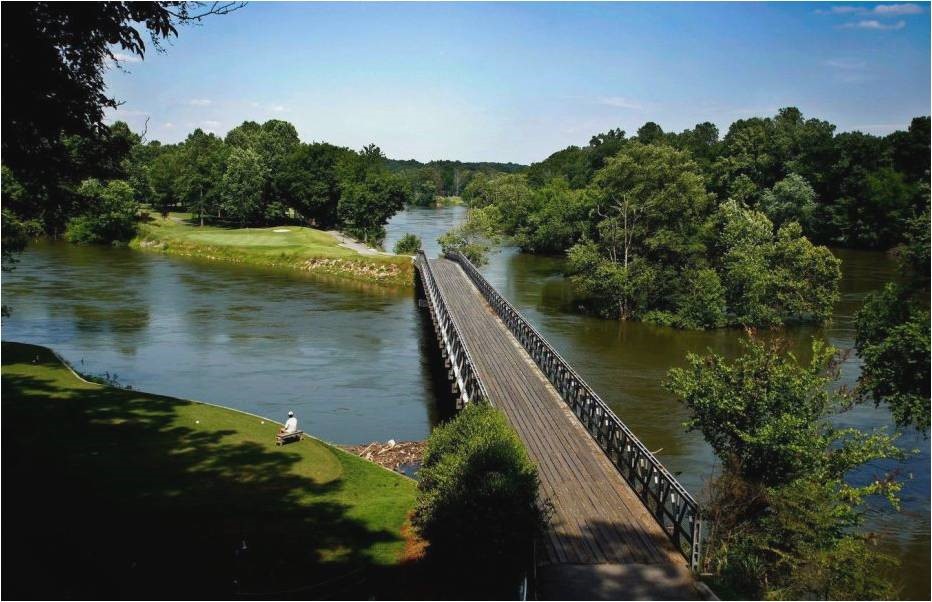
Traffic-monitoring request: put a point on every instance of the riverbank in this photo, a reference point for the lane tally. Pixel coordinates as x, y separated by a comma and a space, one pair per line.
293, 247
174, 498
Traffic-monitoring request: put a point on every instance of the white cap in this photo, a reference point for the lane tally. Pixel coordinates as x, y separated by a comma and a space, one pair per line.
290, 414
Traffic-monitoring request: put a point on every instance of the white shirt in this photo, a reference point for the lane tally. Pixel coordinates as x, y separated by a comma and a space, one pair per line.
291, 425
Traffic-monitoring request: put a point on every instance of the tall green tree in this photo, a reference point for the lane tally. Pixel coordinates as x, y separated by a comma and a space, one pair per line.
242, 186
773, 277
369, 194
791, 199
203, 162
309, 182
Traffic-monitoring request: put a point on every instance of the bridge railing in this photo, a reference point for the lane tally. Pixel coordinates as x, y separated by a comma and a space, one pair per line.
668, 501
460, 361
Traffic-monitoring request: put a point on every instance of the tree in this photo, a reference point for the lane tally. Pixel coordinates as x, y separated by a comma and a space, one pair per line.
911, 149
573, 164
474, 237
63, 50
14, 234
650, 133
892, 335
663, 195
277, 140
203, 161
409, 244
309, 182
245, 135
650, 212
701, 302
164, 178
242, 185
783, 515
478, 498
366, 204
425, 184
559, 218
772, 278
791, 199
110, 214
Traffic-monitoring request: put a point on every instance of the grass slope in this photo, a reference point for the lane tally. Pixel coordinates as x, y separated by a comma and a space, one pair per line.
113, 493
298, 248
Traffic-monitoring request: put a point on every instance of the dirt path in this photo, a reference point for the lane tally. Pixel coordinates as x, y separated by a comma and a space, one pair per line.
350, 243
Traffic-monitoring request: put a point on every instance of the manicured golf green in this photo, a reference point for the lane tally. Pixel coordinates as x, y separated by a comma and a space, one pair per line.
115, 493
288, 246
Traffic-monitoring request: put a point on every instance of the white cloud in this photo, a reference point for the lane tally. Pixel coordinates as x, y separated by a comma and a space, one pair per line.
200, 102
842, 10
849, 71
897, 9
845, 64
880, 10
168, 124
874, 24
620, 102
210, 123
278, 109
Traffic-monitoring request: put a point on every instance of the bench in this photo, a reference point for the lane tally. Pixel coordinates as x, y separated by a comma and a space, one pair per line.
283, 438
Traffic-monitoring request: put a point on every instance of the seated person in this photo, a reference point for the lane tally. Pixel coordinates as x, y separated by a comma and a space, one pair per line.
291, 425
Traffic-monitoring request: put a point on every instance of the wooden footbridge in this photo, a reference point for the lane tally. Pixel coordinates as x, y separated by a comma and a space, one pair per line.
621, 524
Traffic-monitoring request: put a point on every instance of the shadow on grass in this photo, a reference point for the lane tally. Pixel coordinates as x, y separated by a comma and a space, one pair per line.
106, 496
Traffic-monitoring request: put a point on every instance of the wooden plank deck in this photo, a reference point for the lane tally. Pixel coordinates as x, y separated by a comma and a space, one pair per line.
597, 519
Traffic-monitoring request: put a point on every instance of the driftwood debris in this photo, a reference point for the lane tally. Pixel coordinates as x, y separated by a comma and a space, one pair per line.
392, 454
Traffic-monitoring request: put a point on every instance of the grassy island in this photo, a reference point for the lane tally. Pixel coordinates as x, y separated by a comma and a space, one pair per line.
289, 246
115, 493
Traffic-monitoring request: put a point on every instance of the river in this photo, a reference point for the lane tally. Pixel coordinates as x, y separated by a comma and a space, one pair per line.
358, 363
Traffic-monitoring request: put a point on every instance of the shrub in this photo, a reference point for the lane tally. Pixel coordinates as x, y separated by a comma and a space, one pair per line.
111, 213
701, 303
783, 519
409, 244
478, 501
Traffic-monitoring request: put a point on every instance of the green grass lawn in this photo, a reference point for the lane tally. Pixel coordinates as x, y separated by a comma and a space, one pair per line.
299, 248
114, 493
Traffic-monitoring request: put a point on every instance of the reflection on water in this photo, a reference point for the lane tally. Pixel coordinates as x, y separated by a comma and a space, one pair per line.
359, 363
348, 359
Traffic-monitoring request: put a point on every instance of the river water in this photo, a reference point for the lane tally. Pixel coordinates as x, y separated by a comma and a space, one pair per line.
358, 363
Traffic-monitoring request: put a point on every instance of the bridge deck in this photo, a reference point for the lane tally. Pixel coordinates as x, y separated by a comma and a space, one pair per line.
597, 519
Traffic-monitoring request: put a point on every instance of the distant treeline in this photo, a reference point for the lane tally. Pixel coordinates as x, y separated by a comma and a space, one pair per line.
853, 189
258, 174
696, 230
444, 178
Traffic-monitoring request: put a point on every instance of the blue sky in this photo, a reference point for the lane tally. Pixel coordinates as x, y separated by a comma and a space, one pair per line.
516, 82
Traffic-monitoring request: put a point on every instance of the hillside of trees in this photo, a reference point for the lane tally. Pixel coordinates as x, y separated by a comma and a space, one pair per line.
695, 230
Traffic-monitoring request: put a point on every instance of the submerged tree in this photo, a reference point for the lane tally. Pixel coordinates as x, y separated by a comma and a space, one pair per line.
783, 514
474, 237
893, 335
